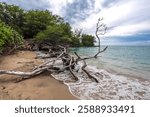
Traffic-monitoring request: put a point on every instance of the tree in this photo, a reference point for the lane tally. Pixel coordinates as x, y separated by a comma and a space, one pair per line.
55, 34
36, 21
9, 38
100, 30
52, 34
44, 26
75, 41
76, 38
12, 16
87, 40
68, 61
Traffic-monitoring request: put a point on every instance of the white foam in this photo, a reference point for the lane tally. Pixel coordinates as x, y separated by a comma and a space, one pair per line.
110, 86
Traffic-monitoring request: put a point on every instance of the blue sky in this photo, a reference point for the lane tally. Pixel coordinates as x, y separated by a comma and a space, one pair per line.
128, 21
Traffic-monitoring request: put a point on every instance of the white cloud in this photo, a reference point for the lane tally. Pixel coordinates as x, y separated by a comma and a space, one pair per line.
123, 17
58, 5
126, 18
130, 29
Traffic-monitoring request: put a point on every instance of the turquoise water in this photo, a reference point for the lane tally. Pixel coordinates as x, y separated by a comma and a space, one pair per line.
132, 61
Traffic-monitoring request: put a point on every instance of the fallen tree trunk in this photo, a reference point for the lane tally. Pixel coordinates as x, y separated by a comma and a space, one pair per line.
19, 73
88, 74
61, 53
70, 69
68, 63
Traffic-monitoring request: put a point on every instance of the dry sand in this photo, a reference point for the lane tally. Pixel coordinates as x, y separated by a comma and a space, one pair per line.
40, 87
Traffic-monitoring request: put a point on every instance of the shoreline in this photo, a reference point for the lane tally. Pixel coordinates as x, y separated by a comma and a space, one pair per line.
110, 86
57, 87
41, 87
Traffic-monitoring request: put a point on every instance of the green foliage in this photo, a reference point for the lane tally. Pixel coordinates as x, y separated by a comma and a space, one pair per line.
87, 40
12, 16
36, 21
75, 42
58, 33
38, 24
9, 37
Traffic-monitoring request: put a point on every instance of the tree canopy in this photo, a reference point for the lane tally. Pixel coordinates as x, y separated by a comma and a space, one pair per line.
12, 16
40, 25
87, 40
8, 37
36, 21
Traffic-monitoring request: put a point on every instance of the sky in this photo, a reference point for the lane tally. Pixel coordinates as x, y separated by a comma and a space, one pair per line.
128, 21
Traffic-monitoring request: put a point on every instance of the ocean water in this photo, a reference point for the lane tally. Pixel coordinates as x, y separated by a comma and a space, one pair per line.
123, 73
131, 61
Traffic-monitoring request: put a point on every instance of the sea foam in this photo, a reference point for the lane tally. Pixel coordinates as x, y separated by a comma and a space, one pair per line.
110, 86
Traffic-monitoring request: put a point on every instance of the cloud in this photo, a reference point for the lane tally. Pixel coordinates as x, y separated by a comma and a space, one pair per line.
56, 6
59, 6
30, 4
124, 18
78, 10
128, 17
109, 3
130, 29
139, 39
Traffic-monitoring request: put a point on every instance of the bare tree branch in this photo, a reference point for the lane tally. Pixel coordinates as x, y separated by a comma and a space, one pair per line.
100, 30
70, 69
68, 61
88, 74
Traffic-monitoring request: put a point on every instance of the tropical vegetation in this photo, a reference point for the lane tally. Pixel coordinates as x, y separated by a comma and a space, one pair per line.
17, 24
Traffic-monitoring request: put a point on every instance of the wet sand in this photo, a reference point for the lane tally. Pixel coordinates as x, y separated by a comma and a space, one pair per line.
41, 87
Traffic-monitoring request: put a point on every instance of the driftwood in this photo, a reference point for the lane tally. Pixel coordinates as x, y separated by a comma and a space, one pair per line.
88, 74
61, 53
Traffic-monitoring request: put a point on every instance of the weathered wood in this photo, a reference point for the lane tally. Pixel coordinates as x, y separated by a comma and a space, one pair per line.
88, 74
61, 53
100, 30
70, 69
19, 73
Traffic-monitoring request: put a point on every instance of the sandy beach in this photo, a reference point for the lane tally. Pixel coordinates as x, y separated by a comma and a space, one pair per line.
41, 87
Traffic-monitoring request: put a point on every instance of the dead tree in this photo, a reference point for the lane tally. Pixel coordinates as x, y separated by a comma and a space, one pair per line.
100, 30
68, 61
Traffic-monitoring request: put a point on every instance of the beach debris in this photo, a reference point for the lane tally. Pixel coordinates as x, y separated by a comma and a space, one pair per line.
58, 59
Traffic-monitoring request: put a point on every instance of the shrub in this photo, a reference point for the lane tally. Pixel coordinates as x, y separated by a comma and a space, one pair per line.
9, 38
